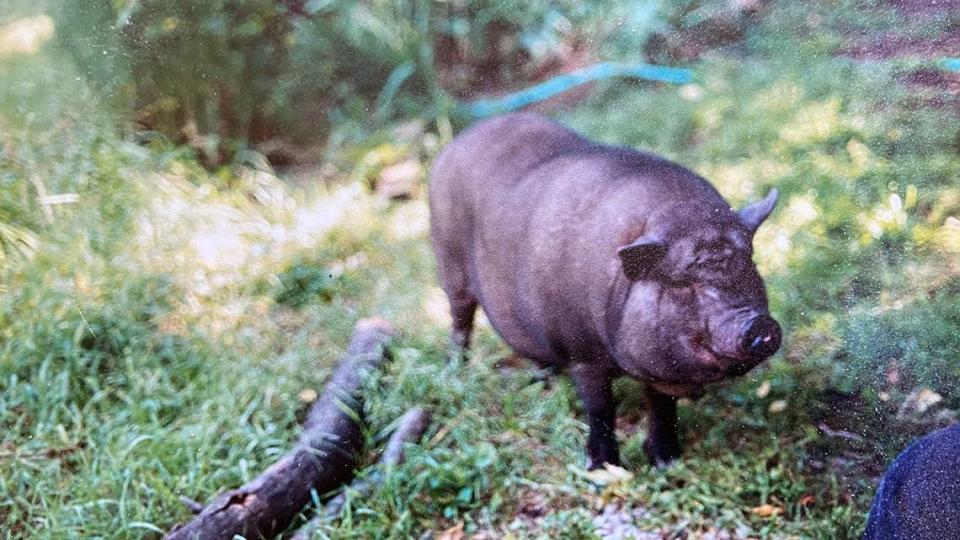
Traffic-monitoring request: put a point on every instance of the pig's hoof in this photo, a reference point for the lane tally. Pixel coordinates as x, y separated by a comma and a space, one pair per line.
593, 465
544, 375
598, 463
457, 355
661, 456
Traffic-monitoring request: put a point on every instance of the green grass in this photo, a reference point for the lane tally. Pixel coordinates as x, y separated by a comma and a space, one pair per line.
157, 342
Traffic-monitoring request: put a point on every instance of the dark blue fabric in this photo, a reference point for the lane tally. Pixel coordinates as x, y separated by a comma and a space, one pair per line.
919, 496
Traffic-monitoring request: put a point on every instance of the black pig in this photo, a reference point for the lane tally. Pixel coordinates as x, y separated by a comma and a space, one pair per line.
603, 260
919, 496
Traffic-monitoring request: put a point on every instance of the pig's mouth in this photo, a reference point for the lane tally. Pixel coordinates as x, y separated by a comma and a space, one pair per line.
677, 390
731, 365
719, 366
714, 365
686, 363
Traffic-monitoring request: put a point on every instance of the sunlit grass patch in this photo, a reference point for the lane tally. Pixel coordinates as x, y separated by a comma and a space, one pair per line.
25, 36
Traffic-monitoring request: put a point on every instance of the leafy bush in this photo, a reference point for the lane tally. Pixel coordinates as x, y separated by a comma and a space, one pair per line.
901, 348
303, 283
224, 74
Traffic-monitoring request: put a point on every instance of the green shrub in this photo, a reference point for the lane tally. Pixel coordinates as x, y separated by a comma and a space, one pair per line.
901, 348
221, 75
303, 283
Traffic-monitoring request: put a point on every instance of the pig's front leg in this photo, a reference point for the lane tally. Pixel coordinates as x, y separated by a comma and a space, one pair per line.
662, 444
594, 388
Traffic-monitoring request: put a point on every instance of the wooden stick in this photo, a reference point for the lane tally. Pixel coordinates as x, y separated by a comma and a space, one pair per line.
323, 459
410, 428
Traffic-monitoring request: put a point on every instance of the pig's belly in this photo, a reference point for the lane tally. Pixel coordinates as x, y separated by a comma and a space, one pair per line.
512, 322
503, 266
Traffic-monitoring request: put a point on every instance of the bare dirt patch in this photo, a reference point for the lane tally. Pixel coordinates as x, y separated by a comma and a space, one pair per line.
917, 40
926, 7
891, 45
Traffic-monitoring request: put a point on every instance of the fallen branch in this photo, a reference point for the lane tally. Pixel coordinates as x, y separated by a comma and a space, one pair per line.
193, 506
324, 459
841, 433
409, 429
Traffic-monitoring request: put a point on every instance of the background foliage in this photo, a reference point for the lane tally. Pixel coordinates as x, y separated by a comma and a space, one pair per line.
192, 218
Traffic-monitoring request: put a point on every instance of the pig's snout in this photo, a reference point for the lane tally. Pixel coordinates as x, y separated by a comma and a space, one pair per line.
761, 338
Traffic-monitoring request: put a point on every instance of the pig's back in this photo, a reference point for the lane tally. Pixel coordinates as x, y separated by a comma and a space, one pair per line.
497, 153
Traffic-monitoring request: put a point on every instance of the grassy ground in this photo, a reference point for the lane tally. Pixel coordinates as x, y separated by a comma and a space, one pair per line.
165, 335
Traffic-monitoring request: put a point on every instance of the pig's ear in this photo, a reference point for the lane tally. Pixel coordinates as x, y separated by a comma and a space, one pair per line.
640, 256
753, 215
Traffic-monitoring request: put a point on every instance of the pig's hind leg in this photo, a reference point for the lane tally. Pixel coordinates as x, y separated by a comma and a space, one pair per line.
462, 309
463, 306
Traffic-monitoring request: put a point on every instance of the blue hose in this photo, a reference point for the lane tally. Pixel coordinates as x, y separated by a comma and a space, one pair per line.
562, 83
950, 64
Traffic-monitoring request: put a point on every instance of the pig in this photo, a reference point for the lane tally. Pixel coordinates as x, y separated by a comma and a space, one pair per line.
602, 261
919, 496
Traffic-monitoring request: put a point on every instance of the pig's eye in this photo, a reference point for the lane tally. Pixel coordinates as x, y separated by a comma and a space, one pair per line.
681, 282
717, 260
713, 255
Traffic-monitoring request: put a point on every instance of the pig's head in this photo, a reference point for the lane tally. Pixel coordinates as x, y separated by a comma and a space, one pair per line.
696, 311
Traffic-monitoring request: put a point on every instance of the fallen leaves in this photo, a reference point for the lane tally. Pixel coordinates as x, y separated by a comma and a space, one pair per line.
400, 180
453, 533
841, 433
609, 475
766, 510
918, 402
777, 406
614, 483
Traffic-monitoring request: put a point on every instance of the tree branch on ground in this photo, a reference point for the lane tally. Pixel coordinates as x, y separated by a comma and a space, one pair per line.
410, 428
324, 458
